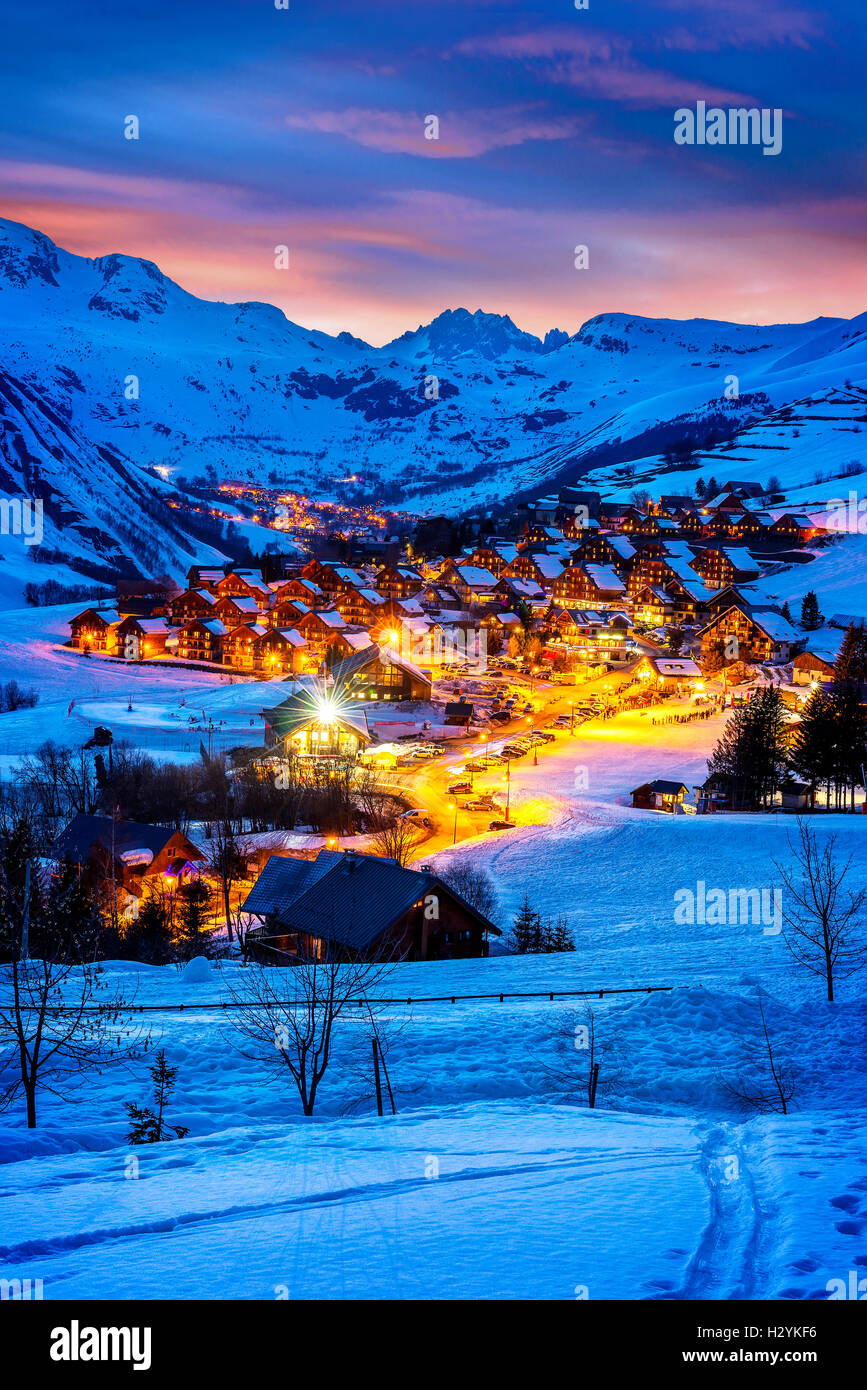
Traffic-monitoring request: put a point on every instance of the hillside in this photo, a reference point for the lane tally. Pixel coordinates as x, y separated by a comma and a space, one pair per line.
110, 369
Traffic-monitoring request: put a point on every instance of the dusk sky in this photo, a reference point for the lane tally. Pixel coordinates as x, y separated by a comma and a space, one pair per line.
305, 127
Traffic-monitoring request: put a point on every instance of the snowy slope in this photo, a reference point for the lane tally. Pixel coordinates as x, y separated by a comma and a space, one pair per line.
243, 391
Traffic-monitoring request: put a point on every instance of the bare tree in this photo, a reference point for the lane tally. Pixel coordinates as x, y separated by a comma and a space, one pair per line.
473, 884
585, 1065
228, 864
823, 928
59, 1018
291, 1014
397, 839
764, 1082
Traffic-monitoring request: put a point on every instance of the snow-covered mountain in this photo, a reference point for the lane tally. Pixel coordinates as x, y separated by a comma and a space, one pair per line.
134, 373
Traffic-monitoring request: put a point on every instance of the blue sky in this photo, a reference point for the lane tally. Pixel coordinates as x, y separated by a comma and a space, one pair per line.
305, 127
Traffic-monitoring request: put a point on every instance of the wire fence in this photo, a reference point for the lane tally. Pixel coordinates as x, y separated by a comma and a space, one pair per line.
499, 997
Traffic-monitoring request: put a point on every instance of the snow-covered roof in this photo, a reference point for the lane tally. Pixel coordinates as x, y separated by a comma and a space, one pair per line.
475, 576
675, 666
775, 626
604, 577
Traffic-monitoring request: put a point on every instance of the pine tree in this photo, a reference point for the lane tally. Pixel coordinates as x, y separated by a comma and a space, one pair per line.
149, 937
527, 930
811, 618
194, 900
786, 612
851, 663
149, 1126
752, 753
557, 935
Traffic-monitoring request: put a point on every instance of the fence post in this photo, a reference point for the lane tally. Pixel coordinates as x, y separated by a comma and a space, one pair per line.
376, 1076
594, 1077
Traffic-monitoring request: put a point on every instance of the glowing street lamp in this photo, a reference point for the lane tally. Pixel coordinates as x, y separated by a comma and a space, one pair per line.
508, 781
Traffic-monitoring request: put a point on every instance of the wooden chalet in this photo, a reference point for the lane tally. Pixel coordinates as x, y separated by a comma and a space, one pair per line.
288, 612
95, 630
592, 585
318, 726
202, 641
204, 577
670, 674
301, 590
133, 856
398, 581
378, 672
360, 607
192, 603
139, 639
760, 634
349, 906
471, 583
659, 795
235, 609
239, 647
278, 651
652, 607
719, 568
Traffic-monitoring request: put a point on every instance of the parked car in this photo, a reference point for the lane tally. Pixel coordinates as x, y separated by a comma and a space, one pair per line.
500, 825
511, 751
482, 803
501, 716
459, 788
417, 817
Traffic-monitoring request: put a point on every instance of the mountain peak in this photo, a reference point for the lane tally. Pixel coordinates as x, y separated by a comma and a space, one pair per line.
460, 333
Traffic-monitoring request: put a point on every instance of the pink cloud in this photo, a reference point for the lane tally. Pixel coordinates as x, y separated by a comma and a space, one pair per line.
461, 135
742, 24
598, 66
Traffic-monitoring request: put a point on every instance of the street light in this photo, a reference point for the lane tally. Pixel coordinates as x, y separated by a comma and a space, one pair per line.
571, 717
453, 807
508, 781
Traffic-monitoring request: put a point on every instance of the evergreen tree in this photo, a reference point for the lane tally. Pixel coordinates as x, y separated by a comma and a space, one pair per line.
557, 936
149, 937
851, 663
700, 488
786, 612
149, 1126
811, 618
751, 754
194, 901
527, 930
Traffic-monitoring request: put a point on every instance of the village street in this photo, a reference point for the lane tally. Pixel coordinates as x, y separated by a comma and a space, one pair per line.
426, 786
